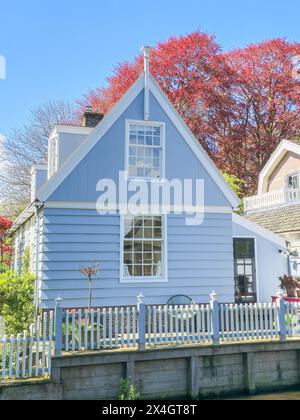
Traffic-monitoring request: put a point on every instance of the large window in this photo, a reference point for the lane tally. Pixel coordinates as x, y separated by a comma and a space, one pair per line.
143, 247
145, 151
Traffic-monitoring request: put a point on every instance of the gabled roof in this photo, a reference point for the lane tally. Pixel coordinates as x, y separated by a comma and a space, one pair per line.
284, 147
111, 118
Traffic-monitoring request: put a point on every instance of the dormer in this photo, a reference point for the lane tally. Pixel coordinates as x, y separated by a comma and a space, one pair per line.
65, 139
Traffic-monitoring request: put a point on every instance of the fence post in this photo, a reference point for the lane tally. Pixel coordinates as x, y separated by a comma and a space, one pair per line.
58, 325
215, 321
282, 321
141, 307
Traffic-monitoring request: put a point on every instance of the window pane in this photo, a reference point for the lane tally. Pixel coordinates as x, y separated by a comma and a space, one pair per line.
132, 171
132, 151
138, 270
128, 259
157, 233
148, 232
133, 139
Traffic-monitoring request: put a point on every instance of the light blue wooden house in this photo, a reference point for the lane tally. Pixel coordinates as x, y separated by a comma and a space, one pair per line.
160, 255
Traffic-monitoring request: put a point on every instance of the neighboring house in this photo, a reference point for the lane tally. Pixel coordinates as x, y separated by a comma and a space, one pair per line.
277, 203
161, 254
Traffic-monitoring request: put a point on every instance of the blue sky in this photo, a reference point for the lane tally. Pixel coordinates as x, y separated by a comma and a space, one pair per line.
59, 49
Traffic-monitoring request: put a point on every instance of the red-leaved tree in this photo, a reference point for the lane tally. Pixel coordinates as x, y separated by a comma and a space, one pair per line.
5, 249
239, 104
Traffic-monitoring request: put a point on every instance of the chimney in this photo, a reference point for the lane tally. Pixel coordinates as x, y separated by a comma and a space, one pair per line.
91, 118
38, 178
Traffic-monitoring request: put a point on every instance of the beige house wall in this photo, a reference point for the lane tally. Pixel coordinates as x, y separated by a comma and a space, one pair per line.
287, 166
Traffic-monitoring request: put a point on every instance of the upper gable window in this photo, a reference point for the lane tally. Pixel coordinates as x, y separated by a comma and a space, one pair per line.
145, 150
293, 181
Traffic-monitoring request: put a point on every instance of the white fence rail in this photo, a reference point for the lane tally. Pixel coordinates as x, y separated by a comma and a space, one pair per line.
29, 354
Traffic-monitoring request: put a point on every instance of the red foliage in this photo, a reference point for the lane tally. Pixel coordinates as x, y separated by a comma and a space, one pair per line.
5, 250
239, 105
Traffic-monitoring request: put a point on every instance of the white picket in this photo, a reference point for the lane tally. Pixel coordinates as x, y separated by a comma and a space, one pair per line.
79, 329
98, 328
134, 325
104, 328
73, 330
44, 342
86, 329
122, 327
92, 330
24, 350
116, 327
67, 314
50, 341
17, 368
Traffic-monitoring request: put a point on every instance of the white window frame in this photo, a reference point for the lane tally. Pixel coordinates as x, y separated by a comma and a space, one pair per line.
162, 127
293, 175
145, 280
257, 278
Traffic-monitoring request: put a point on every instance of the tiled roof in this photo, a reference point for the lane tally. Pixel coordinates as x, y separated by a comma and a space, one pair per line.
278, 220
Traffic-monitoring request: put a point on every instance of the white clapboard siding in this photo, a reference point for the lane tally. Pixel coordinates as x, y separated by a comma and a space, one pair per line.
28, 354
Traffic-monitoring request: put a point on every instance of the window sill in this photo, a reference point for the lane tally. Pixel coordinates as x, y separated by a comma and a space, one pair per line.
143, 280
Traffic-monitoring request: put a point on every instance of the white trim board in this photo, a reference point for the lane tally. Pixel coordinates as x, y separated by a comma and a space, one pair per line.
109, 120
93, 206
284, 147
259, 230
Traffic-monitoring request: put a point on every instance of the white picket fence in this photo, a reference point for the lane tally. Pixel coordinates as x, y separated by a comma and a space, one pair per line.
178, 324
28, 354
249, 321
102, 328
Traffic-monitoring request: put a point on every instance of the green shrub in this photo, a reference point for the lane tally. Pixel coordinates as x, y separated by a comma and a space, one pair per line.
128, 391
16, 301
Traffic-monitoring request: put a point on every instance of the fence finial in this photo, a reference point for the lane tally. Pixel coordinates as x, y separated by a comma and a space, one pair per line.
279, 294
140, 298
213, 296
58, 301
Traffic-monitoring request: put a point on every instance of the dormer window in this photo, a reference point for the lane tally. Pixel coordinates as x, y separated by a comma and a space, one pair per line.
145, 150
293, 181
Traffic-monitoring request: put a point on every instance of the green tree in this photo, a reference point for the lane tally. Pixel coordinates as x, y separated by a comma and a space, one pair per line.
236, 185
16, 300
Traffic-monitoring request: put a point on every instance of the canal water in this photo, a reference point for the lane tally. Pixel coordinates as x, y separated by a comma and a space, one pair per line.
282, 396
